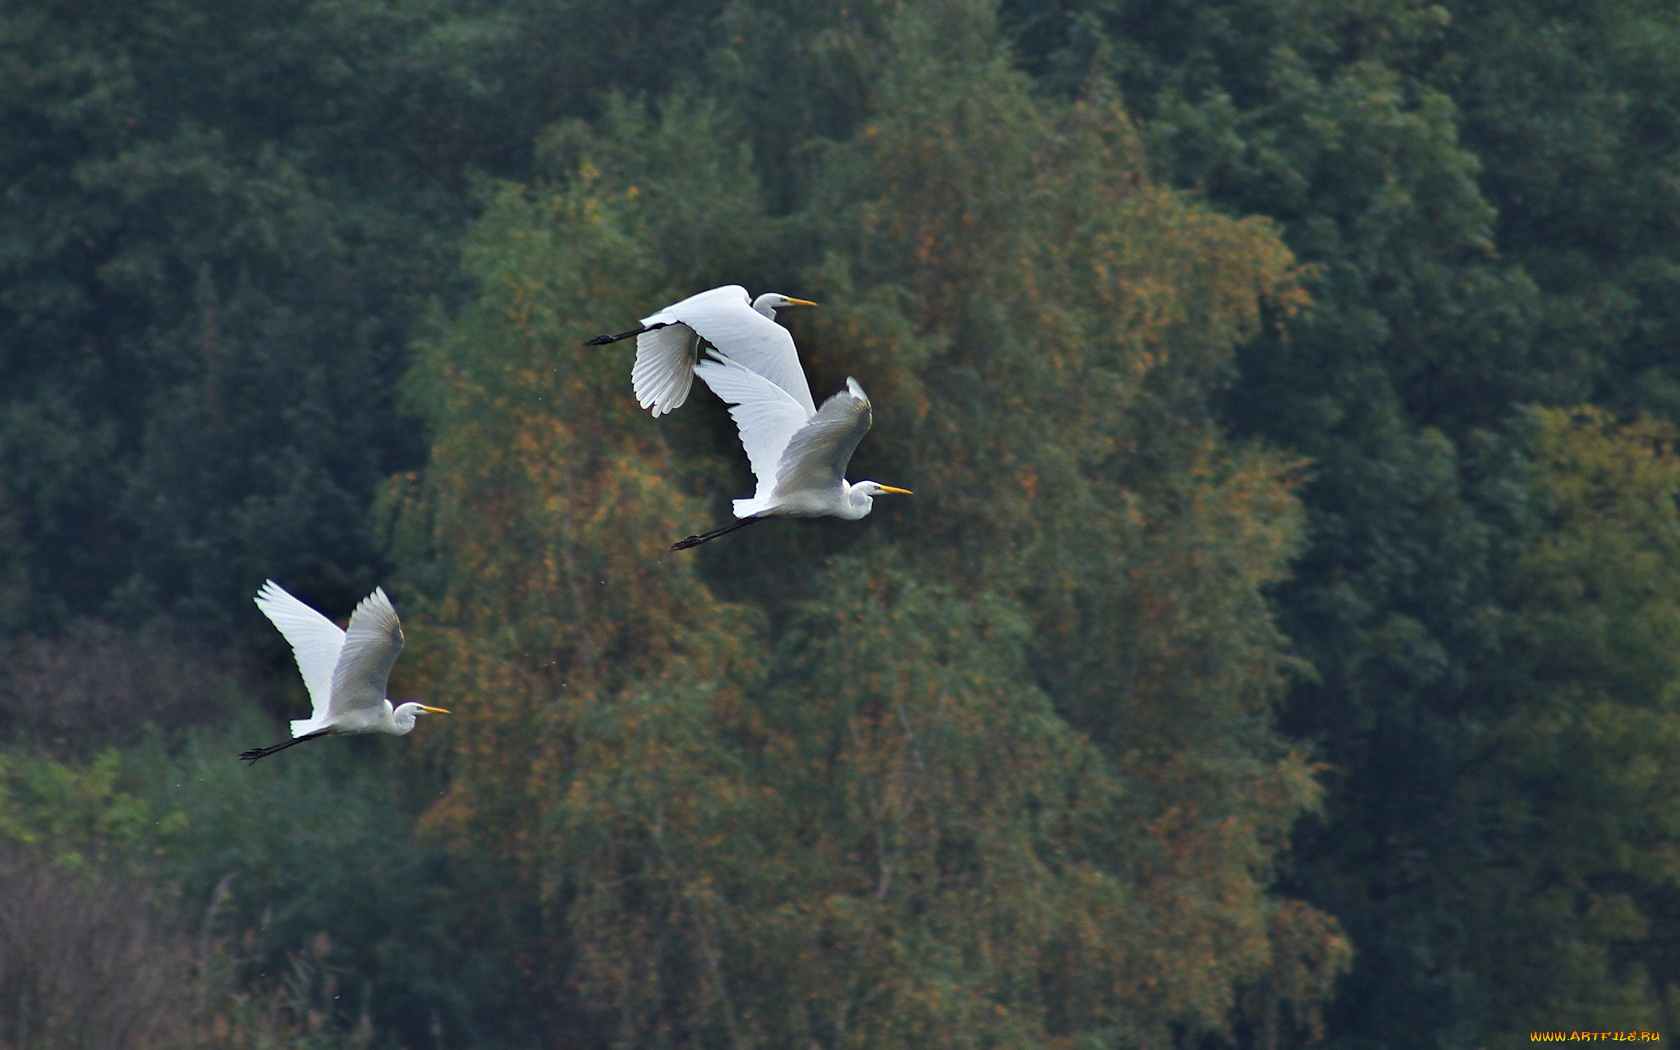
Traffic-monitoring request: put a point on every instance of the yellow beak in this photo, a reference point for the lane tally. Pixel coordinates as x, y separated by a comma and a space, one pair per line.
434, 710
896, 492
799, 302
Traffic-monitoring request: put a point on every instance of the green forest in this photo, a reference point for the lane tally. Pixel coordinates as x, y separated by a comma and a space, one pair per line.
1281, 648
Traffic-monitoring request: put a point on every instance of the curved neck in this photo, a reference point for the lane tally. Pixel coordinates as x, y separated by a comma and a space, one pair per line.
404, 717
858, 502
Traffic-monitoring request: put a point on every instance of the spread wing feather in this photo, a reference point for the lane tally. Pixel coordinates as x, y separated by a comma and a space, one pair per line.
765, 414
371, 646
817, 454
316, 641
724, 317
664, 368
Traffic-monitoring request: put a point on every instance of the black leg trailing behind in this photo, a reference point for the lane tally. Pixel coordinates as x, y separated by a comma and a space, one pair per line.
694, 541
262, 752
603, 340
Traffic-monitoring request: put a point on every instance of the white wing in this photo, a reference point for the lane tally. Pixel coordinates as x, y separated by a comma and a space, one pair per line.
765, 414
817, 454
725, 318
712, 299
316, 641
664, 368
371, 646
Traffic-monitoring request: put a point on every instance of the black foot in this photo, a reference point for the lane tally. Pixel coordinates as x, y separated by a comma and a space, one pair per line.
263, 752
603, 340
694, 541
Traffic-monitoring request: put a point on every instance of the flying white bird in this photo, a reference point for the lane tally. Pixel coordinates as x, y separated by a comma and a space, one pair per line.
668, 344
798, 454
344, 671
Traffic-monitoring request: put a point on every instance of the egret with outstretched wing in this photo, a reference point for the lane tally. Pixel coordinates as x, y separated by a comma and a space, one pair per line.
344, 671
798, 454
668, 345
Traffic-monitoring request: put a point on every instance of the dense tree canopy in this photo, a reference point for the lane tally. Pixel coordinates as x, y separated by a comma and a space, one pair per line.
1280, 646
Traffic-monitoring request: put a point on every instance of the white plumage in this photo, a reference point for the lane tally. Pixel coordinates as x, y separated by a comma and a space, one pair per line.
668, 344
798, 453
344, 671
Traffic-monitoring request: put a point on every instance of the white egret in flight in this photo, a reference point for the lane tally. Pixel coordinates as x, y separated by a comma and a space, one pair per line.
668, 344
344, 671
798, 454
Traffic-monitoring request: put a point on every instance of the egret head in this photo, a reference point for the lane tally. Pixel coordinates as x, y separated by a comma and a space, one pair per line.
875, 488
768, 303
405, 715
863, 494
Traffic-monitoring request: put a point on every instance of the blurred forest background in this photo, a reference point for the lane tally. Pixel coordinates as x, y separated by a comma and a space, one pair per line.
1282, 646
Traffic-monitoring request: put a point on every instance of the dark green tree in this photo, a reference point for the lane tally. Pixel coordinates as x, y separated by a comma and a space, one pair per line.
996, 765
221, 223
1576, 810
1574, 114
1483, 191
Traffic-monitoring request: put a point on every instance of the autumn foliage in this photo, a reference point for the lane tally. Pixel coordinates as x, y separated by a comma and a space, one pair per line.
1279, 648
991, 767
